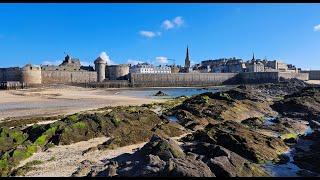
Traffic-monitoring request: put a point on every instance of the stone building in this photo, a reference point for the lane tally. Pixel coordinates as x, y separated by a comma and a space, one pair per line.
278, 65
68, 64
146, 68
255, 65
174, 68
142, 68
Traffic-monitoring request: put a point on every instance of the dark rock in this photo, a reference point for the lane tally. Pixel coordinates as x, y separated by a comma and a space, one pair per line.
283, 159
160, 93
306, 173
253, 122
223, 162
302, 104
245, 142
309, 158
290, 140
164, 148
188, 168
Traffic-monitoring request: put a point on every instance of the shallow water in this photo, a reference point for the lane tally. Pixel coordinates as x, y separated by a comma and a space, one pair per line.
171, 92
173, 118
269, 121
289, 169
283, 170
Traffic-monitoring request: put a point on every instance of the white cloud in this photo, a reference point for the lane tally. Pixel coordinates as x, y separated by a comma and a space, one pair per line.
133, 62
148, 34
162, 60
178, 20
104, 56
167, 24
316, 28
55, 63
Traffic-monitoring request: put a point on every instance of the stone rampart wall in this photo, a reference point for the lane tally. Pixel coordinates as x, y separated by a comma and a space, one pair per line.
180, 79
313, 74
49, 77
10, 74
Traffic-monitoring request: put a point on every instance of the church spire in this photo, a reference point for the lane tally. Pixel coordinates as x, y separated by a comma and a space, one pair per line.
187, 60
253, 57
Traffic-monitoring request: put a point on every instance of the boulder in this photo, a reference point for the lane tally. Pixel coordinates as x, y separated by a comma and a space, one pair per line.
187, 167
160, 93
253, 122
164, 148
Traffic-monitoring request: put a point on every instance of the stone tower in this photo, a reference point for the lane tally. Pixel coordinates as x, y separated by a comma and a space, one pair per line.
31, 75
100, 66
187, 60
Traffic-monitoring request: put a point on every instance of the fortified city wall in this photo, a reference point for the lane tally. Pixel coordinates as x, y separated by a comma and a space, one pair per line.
209, 79
289, 75
313, 74
258, 77
180, 79
10, 74
50, 77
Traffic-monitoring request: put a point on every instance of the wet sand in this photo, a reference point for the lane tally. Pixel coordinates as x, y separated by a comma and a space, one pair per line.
49, 101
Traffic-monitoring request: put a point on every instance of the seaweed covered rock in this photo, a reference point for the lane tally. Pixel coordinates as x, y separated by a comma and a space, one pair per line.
308, 158
225, 163
302, 104
164, 148
159, 157
187, 167
253, 122
125, 126
243, 141
235, 105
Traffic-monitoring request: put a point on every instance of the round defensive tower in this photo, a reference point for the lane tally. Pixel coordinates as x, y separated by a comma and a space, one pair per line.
100, 66
118, 72
31, 75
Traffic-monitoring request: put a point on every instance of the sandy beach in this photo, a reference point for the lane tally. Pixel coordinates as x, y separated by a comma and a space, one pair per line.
59, 100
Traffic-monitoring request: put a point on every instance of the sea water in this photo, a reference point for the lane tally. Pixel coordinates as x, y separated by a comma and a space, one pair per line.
171, 92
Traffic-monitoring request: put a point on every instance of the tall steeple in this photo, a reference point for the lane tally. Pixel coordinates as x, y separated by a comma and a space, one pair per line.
253, 57
187, 60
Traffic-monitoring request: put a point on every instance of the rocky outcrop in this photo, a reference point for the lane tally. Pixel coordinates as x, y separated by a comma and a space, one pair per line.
234, 105
160, 93
243, 141
308, 158
303, 104
188, 167
223, 162
159, 157
253, 122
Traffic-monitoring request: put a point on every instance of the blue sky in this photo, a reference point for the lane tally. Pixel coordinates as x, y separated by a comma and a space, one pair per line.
41, 33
